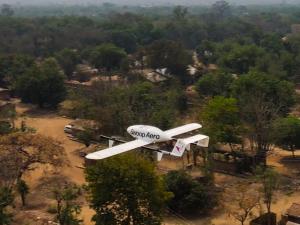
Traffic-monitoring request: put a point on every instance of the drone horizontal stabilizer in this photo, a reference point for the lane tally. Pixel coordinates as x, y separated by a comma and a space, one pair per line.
199, 139
183, 129
182, 144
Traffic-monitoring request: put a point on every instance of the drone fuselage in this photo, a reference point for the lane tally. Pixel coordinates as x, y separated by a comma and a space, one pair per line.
148, 133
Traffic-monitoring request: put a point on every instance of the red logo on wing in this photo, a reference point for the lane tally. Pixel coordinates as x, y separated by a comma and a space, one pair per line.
178, 149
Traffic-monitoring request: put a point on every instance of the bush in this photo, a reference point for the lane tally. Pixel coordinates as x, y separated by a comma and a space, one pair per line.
190, 196
86, 136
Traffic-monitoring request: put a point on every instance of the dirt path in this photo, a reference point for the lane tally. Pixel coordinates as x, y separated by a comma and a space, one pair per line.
53, 126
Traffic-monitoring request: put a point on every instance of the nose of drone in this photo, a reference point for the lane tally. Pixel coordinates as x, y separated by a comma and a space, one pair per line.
129, 129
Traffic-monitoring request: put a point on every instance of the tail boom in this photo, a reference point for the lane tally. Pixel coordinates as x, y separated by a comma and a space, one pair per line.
183, 144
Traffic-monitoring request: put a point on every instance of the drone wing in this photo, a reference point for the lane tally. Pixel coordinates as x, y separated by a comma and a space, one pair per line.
183, 129
108, 152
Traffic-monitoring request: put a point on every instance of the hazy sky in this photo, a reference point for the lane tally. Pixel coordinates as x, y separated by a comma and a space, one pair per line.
147, 2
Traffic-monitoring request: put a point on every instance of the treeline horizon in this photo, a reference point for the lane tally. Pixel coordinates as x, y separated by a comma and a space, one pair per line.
146, 3
95, 10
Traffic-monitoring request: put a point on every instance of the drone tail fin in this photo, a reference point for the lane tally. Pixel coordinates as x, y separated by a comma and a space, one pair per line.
179, 148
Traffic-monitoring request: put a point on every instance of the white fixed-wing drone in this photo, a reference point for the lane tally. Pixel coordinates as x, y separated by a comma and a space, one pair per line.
146, 135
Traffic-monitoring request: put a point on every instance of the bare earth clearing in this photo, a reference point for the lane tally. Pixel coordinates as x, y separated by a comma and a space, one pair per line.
50, 124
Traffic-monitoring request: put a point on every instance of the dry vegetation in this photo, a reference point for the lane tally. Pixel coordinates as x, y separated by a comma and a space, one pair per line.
44, 178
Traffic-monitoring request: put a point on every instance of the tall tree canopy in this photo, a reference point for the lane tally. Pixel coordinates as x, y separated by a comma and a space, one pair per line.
222, 120
261, 99
42, 84
12, 66
141, 102
241, 58
286, 133
107, 56
134, 194
221, 9
68, 59
217, 83
171, 55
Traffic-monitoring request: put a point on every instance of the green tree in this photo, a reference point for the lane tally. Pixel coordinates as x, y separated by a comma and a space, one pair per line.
180, 13
221, 9
86, 136
171, 55
134, 194
206, 51
140, 102
12, 66
217, 83
6, 199
125, 39
8, 113
42, 84
222, 120
269, 180
163, 118
107, 56
241, 58
67, 208
271, 64
272, 43
290, 64
68, 59
286, 133
189, 195
261, 99
142, 99
23, 190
